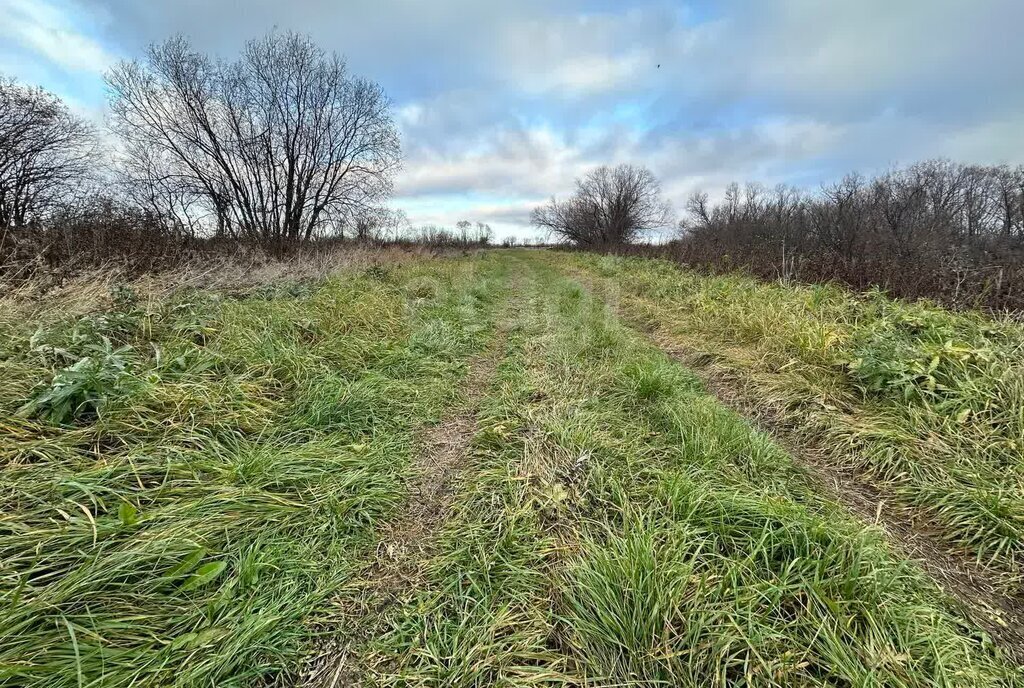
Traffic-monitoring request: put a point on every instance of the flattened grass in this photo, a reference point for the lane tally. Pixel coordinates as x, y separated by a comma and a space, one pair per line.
483, 619
628, 530
177, 521
929, 402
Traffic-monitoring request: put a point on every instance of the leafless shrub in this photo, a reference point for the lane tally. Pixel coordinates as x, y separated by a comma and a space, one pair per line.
610, 207
465, 235
937, 229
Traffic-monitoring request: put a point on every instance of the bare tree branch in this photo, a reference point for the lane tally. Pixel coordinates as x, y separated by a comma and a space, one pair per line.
46, 152
610, 207
278, 146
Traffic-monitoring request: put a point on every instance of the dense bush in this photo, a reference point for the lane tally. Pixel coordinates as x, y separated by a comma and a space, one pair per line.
937, 229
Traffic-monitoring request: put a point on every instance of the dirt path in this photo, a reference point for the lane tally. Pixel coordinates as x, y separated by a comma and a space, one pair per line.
407, 542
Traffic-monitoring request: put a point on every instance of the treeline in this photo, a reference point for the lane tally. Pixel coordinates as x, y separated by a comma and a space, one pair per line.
935, 229
277, 147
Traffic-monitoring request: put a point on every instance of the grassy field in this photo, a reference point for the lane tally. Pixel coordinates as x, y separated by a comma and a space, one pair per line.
204, 488
927, 403
184, 482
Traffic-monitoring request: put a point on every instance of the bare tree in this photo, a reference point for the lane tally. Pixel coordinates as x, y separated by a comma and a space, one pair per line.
45, 153
279, 146
610, 207
484, 233
841, 219
1009, 184
699, 211
899, 201
575, 220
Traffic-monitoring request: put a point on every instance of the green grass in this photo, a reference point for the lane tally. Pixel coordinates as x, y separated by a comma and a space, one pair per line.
625, 529
929, 402
184, 482
190, 503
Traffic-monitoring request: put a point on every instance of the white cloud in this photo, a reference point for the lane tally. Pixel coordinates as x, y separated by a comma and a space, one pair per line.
507, 171
587, 74
51, 31
998, 140
506, 218
509, 161
409, 115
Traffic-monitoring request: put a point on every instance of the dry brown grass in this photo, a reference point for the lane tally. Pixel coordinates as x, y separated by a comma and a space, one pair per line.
90, 289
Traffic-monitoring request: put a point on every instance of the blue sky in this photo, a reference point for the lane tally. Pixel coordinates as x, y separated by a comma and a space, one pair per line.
503, 104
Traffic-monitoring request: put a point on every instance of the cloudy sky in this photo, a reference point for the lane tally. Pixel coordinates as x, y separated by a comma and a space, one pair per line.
502, 104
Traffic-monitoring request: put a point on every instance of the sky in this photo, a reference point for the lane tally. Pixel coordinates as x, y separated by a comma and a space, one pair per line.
503, 104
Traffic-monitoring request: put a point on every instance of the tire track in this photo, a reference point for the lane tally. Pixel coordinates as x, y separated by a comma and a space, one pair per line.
974, 590
409, 540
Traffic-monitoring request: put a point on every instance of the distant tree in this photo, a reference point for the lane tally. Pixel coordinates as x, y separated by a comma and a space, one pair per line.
281, 145
1009, 184
900, 200
484, 233
379, 225
46, 152
610, 207
842, 220
697, 207
394, 225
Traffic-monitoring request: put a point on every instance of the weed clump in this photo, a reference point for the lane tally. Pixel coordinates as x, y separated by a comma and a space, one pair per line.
79, 391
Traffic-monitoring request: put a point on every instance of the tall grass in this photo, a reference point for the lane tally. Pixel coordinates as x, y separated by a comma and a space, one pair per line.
179, 508
929, 402
626, 529
483, 619
184, 481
